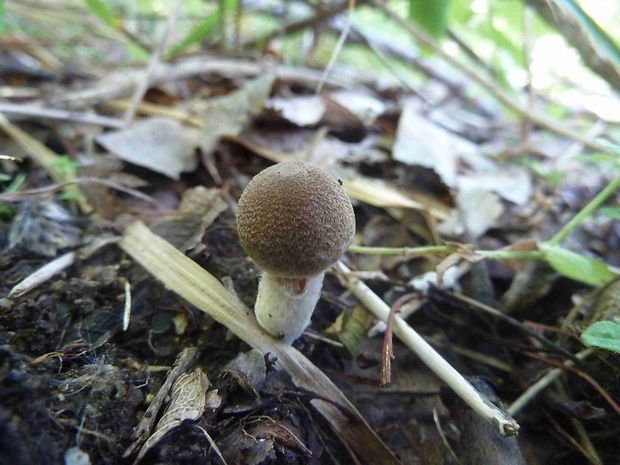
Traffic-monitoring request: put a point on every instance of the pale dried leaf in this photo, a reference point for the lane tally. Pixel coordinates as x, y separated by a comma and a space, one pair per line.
366, 107
304, 110
480, 210
159, 144
187, 402
383, 194
422, 143
187, 398
512, 183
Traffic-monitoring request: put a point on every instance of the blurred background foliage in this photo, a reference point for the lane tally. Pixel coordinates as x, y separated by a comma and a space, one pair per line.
517, 41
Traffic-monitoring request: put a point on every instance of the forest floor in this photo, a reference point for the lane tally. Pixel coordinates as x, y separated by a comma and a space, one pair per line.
94, 337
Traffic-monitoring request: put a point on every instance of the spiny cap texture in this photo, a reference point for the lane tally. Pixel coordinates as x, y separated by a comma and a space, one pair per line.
295, 220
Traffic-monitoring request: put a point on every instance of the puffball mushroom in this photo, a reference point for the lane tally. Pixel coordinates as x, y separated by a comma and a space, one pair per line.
294, 220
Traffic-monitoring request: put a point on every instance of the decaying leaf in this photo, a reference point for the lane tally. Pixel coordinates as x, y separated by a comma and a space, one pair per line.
366, 107
479, 210
42, 226
512, 183
277, 146
198, 209
350, 327
525, 245
303, 110
383, 194
423, 143
249, 371
230, 114
160, 144
187, 402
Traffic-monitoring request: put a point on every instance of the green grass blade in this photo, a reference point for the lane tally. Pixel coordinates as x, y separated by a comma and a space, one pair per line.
203, 30
198, 33
102, 11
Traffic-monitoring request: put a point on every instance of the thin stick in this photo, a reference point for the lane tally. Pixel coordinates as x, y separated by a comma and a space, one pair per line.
127, 305
447, 250
505, 425
338, 47
143, 85
604, 394
530, 393
512, 322
37, 111
585, 211
43, 274
27, 193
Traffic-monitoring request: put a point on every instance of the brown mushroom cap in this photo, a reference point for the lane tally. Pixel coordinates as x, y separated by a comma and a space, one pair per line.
295, 220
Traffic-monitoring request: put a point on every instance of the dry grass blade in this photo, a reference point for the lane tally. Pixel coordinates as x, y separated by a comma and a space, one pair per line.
201, 289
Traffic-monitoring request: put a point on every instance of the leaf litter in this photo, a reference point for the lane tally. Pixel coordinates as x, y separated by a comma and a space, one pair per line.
417, 177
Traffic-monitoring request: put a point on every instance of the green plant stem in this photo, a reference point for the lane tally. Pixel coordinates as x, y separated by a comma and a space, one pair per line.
447, 250
585, 211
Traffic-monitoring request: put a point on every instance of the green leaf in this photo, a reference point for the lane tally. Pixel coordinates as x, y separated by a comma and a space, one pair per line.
611, 212
2, 18
430, 15
65, 166
603, 334
603, 42
579, 267
102, 10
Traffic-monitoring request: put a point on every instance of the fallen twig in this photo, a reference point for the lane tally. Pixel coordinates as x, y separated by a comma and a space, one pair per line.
505, 425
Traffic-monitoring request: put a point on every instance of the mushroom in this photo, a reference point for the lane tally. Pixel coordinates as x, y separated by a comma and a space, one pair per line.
295, 221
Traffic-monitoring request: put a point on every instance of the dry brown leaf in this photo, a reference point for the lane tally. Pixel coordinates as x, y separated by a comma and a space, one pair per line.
198, 210
187, 402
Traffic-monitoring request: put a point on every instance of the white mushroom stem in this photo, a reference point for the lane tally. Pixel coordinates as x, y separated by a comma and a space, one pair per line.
284, 306
503, 423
